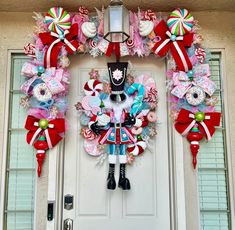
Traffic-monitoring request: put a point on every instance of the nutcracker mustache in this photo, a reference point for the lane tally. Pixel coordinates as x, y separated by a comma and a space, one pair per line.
117, 74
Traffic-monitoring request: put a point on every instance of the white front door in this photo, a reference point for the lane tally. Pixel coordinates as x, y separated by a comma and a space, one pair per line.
146, 205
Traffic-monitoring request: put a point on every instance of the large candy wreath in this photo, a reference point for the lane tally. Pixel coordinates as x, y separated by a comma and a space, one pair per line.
59, 33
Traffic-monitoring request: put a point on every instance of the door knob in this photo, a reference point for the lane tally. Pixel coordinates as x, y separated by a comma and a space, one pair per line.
68, 224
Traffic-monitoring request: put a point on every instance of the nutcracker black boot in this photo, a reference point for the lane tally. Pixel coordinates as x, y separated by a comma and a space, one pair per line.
123, 182
111, 183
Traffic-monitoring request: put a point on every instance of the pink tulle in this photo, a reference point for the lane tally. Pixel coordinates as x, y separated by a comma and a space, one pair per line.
139, 48
194, 60
38, 113
101, 28
38, 44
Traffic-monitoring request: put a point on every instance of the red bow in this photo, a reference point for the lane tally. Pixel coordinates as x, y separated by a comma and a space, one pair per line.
176, 44
52, 132
56, 41
186, 121
113, 46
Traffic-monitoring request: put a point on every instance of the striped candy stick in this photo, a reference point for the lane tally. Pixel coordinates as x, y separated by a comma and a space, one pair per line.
137, 104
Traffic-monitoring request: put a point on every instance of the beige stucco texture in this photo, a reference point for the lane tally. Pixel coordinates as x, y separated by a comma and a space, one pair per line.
218, 30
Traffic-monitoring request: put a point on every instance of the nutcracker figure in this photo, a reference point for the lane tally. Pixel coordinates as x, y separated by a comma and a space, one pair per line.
114, 123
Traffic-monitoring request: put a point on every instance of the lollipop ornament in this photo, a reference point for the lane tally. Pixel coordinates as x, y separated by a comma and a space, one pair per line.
58, 20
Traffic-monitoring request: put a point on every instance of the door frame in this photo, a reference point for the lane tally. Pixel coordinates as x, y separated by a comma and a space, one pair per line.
56, 169
176, 180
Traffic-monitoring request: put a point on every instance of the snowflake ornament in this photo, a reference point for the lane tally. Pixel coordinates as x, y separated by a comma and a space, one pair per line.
152, 131
78, 106
117, 74
211, 101
24, 102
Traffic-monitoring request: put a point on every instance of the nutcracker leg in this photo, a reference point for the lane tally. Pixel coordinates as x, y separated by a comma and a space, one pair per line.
111, 183
123, 182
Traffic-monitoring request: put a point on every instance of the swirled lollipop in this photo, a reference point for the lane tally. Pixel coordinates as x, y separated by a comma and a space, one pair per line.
93, 87
180, 22
58, 20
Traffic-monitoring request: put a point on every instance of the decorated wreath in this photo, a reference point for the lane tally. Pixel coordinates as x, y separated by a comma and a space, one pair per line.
59, 33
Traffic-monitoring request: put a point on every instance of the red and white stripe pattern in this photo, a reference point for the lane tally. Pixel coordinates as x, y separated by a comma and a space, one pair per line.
200, 54
137, 148
93, 87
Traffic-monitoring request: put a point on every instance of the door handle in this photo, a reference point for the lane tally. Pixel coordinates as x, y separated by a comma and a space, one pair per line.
68, 224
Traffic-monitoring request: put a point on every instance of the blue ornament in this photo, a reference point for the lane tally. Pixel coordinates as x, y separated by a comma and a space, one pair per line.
173, 37
41, 69
61, 36
84, 119
190, 74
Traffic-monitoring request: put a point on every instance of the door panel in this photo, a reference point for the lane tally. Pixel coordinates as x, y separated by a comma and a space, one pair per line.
146, 205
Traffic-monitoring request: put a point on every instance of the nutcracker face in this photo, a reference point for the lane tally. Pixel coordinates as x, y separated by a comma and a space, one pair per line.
118, 98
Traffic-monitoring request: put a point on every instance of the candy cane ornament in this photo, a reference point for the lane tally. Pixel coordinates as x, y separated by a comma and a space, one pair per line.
200, 54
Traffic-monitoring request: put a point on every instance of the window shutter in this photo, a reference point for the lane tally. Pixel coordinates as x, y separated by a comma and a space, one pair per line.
212, 167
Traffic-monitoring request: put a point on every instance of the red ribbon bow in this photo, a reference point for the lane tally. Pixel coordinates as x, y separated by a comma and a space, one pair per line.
176, 44
113, 46
186, 121
52, 132
56, 41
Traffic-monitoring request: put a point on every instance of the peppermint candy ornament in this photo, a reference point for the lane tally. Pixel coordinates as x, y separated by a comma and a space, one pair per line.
92, 43
58, 20
180, 22
149, 15
200, 54
137, 148
130, 43
93, 87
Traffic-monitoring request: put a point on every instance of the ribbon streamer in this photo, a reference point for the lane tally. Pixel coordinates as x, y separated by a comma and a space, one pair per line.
53, 132
56, 41
176, 44
186, 121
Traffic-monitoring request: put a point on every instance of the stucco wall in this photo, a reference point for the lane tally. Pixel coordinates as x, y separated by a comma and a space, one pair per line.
218, 29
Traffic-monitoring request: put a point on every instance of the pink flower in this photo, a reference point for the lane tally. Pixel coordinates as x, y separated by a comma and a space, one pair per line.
107, 88
94, 74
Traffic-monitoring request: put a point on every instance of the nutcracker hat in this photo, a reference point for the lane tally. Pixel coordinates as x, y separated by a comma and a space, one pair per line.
117, 74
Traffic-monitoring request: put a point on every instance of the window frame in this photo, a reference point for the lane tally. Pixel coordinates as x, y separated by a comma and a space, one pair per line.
229, 162
7, 111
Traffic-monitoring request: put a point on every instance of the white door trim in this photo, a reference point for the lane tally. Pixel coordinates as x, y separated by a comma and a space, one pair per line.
7, 80
230, 158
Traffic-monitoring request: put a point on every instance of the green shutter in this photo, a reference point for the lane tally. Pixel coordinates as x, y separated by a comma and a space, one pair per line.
20, 181
212, 168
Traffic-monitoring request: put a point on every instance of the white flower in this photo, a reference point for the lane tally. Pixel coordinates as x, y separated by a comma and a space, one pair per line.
117, 74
